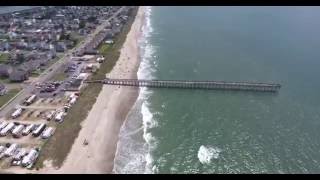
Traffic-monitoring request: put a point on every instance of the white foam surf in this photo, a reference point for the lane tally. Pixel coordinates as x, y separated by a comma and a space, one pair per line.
205, 154
146, 70
133, 156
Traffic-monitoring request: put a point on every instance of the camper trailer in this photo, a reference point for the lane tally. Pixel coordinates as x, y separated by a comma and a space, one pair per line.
17, 131
73, 100
73, 95
16, 113
50, 115
30, 158
7, 129
47, 133
22, 152
30, 100
59, 116
39, 130
3, 124
11, 150
28, 129
2, 149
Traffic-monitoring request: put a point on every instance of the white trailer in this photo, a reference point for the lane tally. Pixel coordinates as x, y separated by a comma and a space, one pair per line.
28, 129
22, 152
73, 95
82, 76
8, 128
47, 133
59, 116
3, 124
50, 115
16, 113
30, 158
17, 131
11, 150
39, 130
31, 99
2, 148
73, 100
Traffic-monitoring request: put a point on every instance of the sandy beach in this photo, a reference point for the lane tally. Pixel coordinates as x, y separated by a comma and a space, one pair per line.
101, 127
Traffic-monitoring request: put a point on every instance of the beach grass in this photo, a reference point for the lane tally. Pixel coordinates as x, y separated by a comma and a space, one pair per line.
58, 146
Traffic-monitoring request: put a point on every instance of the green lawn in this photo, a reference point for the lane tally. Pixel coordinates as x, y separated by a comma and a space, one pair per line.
5, 98
59, 76
104, 48
4, 57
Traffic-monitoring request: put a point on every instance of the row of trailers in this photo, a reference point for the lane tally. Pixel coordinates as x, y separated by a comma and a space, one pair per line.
27, 102
19, 156
18, 130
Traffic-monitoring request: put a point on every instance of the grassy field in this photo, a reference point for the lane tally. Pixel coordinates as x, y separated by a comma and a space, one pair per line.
4, 57
5, 98
59, 76
58, 146
104, 48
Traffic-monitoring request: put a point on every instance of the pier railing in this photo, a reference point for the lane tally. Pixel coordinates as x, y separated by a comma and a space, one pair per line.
222, 85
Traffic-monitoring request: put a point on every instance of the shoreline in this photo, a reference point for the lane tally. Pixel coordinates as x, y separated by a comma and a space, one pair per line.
102, 126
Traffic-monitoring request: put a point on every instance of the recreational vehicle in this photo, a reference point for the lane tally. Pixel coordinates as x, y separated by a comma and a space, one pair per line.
30, 100
39, 130
17, 131
7, 129
2, 148
30, 158
16, 113
3, 124
11, 150
59, 116
28, 129
50, 115
22, 152
73, 100
47, 133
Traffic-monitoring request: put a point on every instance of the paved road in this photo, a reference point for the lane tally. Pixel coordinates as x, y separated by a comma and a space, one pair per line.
48, 73
40, 107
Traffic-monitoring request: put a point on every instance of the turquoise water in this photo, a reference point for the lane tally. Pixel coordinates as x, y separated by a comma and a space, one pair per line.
199, 131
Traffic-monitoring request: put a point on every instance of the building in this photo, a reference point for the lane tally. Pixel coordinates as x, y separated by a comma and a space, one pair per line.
5, 70
18, 76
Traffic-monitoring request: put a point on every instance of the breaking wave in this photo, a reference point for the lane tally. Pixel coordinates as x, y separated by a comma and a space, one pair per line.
135, 140
205, 154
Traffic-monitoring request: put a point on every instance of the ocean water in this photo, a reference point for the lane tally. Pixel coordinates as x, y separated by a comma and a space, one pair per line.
201, 131
9, 9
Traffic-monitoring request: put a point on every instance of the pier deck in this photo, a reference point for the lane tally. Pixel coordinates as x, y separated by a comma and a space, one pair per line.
222, 85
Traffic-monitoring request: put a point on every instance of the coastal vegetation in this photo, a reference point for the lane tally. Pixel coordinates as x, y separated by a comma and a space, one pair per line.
57, 147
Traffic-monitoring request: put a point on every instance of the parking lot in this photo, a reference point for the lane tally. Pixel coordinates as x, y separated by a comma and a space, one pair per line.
27, 126
25, 129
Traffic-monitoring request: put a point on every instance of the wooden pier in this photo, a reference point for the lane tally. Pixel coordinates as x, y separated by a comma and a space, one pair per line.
219, 85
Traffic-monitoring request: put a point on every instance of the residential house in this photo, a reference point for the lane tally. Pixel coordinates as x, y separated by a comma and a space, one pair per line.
18, 76
5, 70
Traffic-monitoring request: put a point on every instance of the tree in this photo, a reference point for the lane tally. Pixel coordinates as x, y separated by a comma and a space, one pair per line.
92, 19
20, 58
82, 24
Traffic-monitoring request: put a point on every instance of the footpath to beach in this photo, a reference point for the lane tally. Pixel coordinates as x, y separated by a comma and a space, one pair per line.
101, 127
